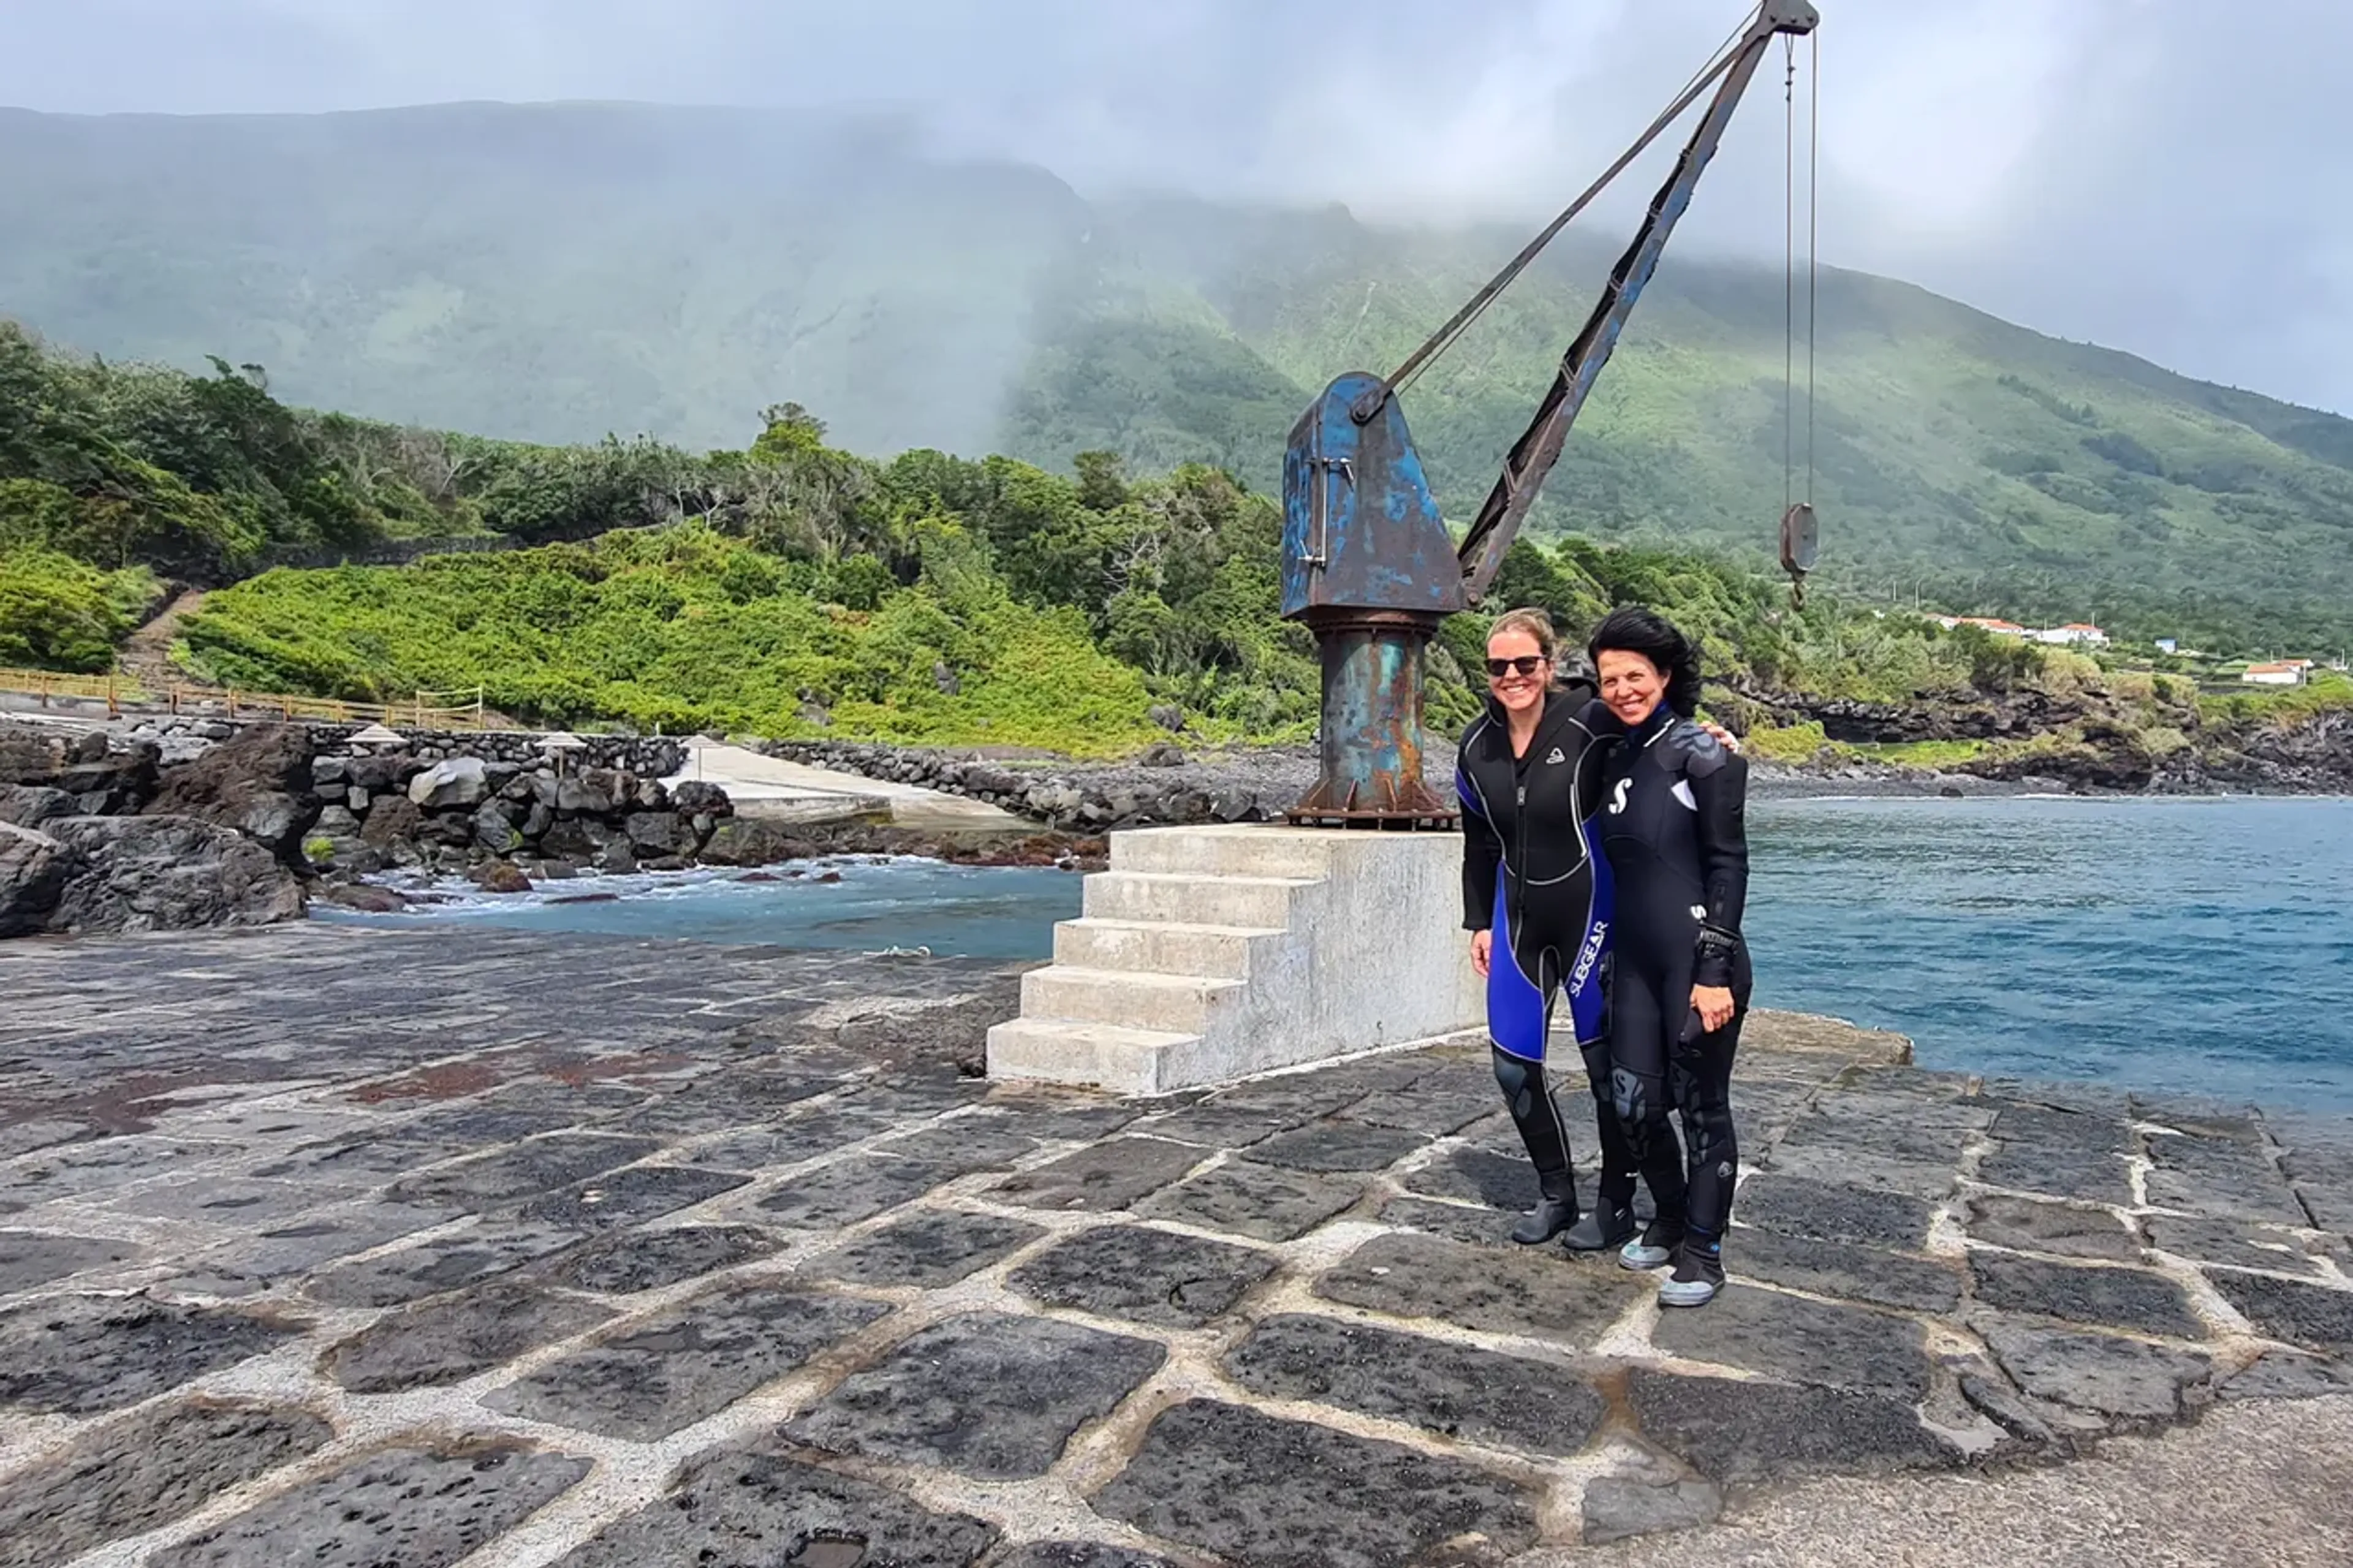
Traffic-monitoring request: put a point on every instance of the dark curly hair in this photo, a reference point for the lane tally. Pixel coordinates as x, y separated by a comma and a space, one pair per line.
1630, 628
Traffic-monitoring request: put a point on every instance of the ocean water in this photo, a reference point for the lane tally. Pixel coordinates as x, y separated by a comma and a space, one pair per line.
2198, 946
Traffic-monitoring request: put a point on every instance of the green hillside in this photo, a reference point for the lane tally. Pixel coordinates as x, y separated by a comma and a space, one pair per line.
552, 274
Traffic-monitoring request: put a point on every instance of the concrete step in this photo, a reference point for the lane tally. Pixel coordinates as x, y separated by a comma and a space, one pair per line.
1261, 903
1216, 953
1132, 999
1059, 1050
1238, 851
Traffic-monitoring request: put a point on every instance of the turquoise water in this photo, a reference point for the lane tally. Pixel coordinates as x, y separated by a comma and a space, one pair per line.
2203, 946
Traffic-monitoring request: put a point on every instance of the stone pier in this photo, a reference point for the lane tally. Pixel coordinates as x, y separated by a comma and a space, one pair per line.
329, 1245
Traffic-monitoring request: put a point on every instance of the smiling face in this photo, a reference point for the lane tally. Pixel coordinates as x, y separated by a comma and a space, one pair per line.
1525, 674
1630, 684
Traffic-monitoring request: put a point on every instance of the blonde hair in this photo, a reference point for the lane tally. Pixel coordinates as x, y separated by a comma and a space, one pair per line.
1535, 624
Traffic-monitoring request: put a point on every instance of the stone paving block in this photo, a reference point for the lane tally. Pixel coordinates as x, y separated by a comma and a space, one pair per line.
2132, 1299
1830, 1164
2247, 1194
1739, 1432
629, 1197
302, 1247
2018, 1121
72, 1169
523, 1171
33, 1258
1144, 1274
2061, 1172
926, 1248
1800, 1341
1478, 1175
1456, 1221
81, 1354
225, 1200
1255, 1200
2317, 1316
1886, 1135
464, 1257
966, 1144
650, 1259
1054, 1118
410, 1145
1109, 1176
414, 1507
1431, 1108
786, 1143
1618, 1508
2289, 1375
1824, 1211
448, 1341
981, 1394
1249, 1487
2198, 1116
2106, 1373
1299, 1096
1079, 1554
690, 1363
1213, 1126
912, 1096
1336, 1145
845, 1191
1455, 1390
24, 1137
1535, 1291
160, 1465
2061, 1094
2026, 1226
1845, 1268
737, 1507
2231, 1242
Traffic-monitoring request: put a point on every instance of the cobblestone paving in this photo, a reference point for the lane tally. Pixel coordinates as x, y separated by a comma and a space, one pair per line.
346, 1248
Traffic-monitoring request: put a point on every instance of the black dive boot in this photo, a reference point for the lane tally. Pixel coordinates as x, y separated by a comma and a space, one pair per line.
1554, 1212
1656, 1247
1603, 1227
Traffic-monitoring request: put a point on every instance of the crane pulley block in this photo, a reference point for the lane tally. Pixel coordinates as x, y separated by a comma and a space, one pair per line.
1360, 529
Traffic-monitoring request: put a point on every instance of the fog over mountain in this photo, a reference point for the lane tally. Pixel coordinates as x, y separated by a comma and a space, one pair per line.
2146, 175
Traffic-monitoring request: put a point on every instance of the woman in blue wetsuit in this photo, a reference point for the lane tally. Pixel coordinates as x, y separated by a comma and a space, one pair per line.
1671, 830
1535, 898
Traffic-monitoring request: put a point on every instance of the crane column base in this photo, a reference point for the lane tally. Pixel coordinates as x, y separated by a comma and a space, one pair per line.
1371, 733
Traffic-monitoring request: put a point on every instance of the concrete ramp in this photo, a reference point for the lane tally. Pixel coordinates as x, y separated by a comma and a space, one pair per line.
762, 786
1207, 954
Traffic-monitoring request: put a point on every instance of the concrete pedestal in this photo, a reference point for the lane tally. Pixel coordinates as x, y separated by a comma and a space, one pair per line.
1205, 954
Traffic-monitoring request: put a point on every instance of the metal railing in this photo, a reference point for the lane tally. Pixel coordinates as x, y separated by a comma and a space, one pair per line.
426, 711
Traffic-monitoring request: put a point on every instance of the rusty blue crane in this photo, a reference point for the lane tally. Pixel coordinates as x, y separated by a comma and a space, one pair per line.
1368, 564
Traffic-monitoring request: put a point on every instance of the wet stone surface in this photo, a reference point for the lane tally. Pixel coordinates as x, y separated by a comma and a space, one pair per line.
415, 1507
746, 1507
163, 1464
1145, 1275
1453, 1390
929, 1248
78, 1355
983, 1395
1255, 1488
729, 1222
694, 1361
2126, 1298
1250, 1199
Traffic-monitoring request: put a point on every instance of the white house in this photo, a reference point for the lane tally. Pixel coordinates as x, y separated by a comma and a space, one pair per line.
2074, 634
2281, 672
2168, 645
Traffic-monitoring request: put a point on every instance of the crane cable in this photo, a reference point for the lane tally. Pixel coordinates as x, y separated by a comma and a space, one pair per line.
1444, 338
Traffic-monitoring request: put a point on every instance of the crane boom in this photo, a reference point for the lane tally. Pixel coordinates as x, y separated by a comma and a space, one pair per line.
1532, 457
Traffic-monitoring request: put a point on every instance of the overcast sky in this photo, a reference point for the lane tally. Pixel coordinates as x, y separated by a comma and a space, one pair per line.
2164, 176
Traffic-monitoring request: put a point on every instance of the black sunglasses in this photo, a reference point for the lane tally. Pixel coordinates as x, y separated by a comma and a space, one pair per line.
1526, 664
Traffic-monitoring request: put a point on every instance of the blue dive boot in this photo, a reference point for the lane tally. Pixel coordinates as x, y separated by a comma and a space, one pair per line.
1656, 1246
1698, 1276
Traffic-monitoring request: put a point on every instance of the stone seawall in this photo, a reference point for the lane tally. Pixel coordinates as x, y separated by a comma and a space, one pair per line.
647, 757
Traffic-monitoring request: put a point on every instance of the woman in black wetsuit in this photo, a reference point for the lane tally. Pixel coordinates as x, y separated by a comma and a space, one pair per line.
1535, 898
1671, 828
